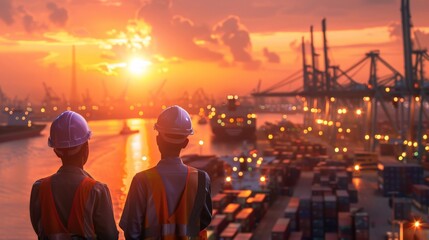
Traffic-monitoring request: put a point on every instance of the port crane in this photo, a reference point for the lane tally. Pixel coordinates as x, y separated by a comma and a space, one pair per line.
397, 98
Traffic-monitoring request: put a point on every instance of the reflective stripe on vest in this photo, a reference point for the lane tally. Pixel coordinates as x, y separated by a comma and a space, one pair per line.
77, 225
158, 222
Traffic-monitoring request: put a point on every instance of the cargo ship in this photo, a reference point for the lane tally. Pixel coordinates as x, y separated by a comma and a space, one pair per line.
233, 120
19, 126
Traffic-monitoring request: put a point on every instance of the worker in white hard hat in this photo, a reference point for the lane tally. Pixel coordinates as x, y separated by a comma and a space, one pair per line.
70, 204
171, 200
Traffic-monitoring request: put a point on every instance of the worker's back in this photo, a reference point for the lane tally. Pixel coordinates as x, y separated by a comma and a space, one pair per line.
171, 200
173, 173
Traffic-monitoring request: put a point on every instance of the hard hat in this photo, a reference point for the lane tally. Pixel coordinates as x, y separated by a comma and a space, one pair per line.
69, 130
174, 121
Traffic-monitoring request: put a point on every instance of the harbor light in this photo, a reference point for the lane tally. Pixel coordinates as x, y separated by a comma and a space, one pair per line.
416, 224
357, 167
201, 143
228, 179
367, 137
282, 129
240, 174
234, 169
425, 137
400, 158
427, 148
337, 149
235, 159
359, 112
345, 149
241, 160
262, 179
249, 160
254, 155
270, 136
144, 158
320, 133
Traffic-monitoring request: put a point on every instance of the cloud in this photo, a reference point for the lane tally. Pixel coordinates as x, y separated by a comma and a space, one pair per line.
395, 30
236, 37
421, 39
271, 57
176, 35
6, 11
57, 15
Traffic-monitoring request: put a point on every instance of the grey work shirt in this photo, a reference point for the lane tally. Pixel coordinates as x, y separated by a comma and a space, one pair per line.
64, 185
173, 173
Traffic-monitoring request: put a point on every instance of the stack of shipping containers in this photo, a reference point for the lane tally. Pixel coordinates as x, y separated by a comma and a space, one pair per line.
317, 218
398, 178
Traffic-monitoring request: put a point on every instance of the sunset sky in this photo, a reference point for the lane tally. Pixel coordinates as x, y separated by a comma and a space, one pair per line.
222, 46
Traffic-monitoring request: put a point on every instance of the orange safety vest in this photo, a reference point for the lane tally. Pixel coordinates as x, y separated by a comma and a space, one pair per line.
158, 223
52, 227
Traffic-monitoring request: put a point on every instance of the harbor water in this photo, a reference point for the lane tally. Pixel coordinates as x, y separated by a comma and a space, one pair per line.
114, 159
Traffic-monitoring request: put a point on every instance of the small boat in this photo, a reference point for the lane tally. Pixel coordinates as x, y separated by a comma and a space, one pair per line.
127, 130
202, 120
19, 126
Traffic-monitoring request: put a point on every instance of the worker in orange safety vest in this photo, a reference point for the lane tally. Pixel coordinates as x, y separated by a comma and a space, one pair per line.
70, 204
171, 200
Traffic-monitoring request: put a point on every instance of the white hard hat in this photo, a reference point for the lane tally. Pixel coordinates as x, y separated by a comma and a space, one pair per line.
69, 130
174, 121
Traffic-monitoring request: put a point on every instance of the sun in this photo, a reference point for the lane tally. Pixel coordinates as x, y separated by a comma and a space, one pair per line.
138, 66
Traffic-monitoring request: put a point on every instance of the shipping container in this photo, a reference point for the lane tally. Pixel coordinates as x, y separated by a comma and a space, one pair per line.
331, 236
260, 205
280, 230
344, 226
243, 196
231, 210
244, 236
230, 231
247, 219
353, 193
218, 224
231, 195
399, 178
402, 208
219, 201
295, 236
343, 200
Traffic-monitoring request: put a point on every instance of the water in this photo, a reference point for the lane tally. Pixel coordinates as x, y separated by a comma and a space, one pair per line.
114, 159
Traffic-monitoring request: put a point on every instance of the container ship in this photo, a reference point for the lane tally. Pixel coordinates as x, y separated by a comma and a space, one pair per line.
233, 120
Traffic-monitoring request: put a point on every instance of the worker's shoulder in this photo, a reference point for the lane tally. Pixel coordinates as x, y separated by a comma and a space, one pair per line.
144, 173
206, 175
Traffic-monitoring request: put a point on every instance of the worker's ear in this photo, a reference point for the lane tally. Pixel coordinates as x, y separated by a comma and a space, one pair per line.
185, 143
